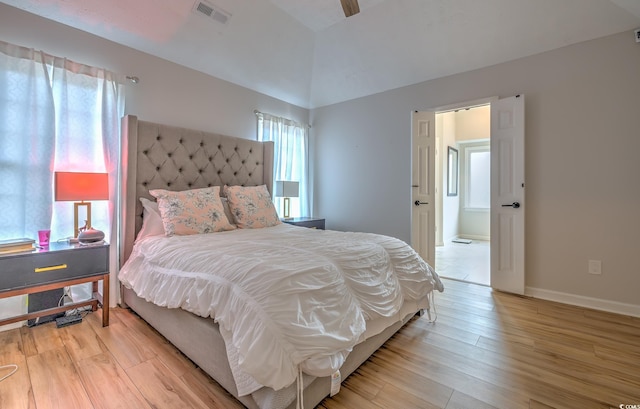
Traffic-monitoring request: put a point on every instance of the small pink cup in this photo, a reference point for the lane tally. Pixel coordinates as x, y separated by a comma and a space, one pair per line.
43, 237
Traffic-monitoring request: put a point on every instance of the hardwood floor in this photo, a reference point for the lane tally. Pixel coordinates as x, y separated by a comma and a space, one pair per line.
486, 350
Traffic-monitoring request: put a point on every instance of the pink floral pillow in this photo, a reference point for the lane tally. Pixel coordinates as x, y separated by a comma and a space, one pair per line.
194, 211
251, 206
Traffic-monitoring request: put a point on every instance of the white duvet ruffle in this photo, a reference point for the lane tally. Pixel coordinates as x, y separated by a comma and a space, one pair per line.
283, 296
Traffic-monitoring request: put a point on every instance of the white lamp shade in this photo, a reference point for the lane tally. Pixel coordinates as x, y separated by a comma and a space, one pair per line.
286, 188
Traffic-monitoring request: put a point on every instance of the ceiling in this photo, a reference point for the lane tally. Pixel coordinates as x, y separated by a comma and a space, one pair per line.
307, 53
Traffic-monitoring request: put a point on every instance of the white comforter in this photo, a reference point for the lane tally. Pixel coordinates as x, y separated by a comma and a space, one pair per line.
285, 297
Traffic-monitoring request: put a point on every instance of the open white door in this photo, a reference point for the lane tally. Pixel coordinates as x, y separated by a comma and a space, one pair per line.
423, 234
507, 194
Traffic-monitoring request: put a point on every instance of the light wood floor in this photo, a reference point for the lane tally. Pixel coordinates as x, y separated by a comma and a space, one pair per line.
486, 350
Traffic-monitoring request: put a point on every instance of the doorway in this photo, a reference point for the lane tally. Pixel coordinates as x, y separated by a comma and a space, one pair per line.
507, 208
463, 196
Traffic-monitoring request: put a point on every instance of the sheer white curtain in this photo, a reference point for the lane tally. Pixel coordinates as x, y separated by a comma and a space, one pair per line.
291, 157
55, 115
89, 105
27, 143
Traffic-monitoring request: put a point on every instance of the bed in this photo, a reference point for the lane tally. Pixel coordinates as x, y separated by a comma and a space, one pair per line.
233, 331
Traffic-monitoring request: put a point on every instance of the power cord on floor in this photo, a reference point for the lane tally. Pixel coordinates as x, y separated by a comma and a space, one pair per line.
67, 298
435, 311
15, 368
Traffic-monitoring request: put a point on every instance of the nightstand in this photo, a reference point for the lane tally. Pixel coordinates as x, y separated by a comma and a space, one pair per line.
311, 222
60, 265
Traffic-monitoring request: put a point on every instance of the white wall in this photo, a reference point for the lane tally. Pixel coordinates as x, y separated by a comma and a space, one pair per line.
456, 129
167, 93
450, 204
472, 126
582, 145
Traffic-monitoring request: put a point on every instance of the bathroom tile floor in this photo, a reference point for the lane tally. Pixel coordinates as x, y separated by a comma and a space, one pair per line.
464, 262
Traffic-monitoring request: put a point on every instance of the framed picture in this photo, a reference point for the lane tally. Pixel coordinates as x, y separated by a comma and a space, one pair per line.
452, 172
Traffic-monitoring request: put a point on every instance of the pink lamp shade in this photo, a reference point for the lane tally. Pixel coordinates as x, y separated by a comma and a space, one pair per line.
73, 186
81, 186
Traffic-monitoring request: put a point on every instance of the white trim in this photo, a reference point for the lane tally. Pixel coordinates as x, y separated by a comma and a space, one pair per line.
15, 325
463, 105
582, 301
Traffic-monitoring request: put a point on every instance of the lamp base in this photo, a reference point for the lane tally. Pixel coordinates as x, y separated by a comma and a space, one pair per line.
287, 203
87, 219
90, 236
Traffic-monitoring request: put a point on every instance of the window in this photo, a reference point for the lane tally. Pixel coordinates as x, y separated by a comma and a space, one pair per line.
55, 114
291, 153
26, 147
478, 172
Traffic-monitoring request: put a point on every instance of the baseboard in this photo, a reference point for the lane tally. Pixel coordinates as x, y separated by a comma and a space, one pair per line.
13, 326
582, 301
474, 237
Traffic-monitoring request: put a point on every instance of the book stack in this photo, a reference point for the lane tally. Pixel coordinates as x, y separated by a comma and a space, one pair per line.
16, 246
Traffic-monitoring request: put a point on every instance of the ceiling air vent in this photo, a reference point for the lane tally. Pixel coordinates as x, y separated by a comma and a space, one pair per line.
211, 11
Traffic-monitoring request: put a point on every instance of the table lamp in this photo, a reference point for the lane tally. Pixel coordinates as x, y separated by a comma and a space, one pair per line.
78, 187
286, 189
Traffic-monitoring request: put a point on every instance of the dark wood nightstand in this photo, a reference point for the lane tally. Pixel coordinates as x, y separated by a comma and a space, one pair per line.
59, 265
311, 222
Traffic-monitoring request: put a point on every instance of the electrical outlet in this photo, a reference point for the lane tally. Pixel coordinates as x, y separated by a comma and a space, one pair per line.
595, 267
637, 32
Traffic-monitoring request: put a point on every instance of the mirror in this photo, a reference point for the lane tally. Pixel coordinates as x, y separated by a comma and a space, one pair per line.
452, 172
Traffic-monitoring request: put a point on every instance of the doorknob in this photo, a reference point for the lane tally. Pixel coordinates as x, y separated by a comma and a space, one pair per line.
515, 205
418, 203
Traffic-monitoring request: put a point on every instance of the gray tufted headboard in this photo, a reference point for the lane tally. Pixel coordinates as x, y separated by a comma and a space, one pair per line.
159, 156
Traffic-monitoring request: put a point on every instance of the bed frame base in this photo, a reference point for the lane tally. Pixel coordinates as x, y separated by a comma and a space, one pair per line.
205, 347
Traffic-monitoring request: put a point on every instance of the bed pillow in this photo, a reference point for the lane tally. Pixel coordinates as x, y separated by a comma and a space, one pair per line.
251, 206
151, 220
227, 209
194, 211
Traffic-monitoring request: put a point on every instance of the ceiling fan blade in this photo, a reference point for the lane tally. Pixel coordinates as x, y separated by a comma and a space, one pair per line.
350, 7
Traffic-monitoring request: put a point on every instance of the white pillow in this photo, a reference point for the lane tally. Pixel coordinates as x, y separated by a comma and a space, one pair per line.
151, 220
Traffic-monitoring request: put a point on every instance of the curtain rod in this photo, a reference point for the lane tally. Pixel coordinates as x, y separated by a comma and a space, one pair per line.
255, 111
18, 51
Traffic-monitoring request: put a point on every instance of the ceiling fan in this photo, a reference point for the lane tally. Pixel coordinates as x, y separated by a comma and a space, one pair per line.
350, 7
